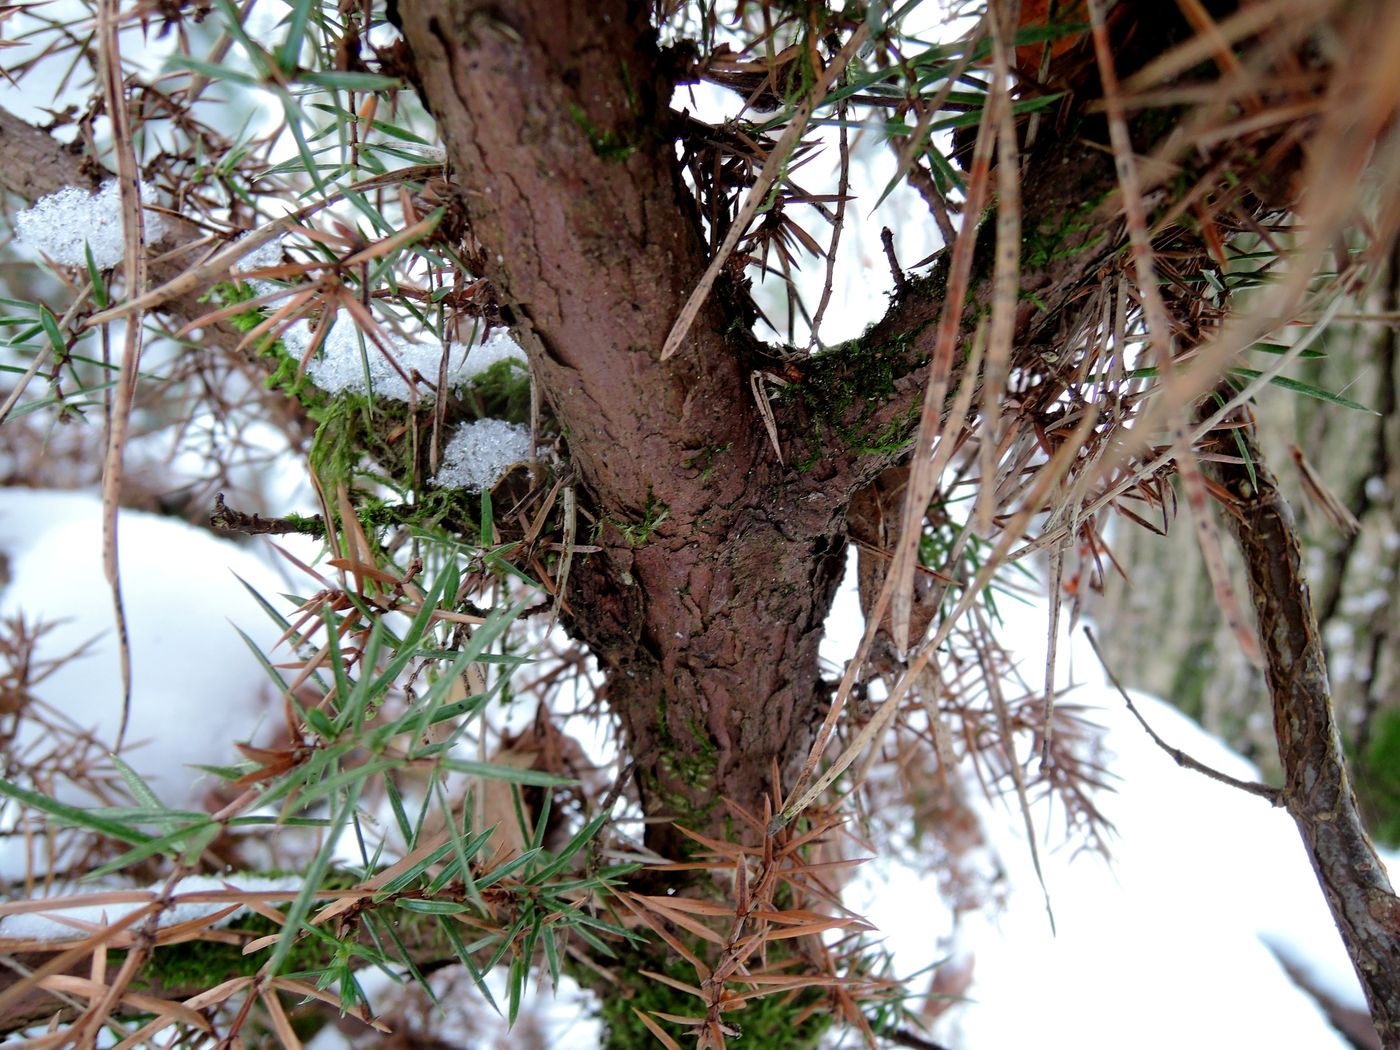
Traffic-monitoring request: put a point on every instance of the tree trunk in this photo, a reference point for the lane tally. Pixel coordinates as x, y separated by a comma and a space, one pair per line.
718, 561
718, 566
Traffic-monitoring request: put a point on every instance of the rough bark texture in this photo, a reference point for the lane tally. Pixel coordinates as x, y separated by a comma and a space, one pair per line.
37, 164
718, 566
1317, 789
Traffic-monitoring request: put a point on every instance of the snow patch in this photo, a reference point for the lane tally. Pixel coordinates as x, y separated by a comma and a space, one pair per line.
479, 454
1206, 890
196, 688
63, 224
65, 920
265, 255
348, 363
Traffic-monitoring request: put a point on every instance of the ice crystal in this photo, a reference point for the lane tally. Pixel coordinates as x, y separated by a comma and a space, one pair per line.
63, 224
261, 257
479, 454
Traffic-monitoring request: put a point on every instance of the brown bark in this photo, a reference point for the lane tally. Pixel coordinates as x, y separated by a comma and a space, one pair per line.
1317, 790
37, 164
718, 567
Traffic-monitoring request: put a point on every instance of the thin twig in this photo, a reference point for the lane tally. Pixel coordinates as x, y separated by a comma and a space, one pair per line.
595, 848
225, 519
1274, 795
134, 266
904, 1037
838, 223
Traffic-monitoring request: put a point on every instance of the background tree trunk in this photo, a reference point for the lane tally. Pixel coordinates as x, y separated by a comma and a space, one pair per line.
1317, 789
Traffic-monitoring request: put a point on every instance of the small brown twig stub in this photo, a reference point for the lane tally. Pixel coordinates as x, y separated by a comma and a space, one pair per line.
225, 519
887, 239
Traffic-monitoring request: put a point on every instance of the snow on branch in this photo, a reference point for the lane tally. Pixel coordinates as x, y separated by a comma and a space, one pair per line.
345, 362
479, 454
65, 224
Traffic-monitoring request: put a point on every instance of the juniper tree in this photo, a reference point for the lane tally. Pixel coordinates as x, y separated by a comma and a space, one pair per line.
1130, 201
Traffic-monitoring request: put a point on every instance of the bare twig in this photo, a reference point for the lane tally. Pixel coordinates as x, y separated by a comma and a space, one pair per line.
900, 281
838, 223
134, 263
1180, 757
904, 1037
225, 519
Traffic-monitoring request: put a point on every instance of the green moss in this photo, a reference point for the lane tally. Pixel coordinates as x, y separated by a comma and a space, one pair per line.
362, 441
606, 144
502, 392
893, 437
842, 388
204, 964
1027, 296
856, 372
1378, 778
787, 1020
285, 376
704, 461
637, 533
693, 762
1061, 237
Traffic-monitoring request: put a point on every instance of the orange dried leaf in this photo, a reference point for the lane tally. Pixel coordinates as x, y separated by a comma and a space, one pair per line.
680, 986
657, 1030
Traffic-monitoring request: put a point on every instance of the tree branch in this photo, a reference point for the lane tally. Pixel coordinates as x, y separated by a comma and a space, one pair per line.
1318, 792
34, 164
